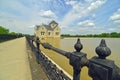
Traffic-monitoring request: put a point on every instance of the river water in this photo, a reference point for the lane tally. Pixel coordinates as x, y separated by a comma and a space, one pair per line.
89, 45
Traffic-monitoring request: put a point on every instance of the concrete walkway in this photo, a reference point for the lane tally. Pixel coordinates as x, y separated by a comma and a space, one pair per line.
14, 64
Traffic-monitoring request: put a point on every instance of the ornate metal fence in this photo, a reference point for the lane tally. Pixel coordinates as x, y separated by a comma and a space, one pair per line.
53, 72
99, 68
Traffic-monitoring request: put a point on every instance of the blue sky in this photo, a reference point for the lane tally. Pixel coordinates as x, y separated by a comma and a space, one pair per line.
73, 16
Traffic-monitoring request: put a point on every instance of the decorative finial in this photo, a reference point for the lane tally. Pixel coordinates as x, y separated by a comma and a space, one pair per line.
102, 50
78, 46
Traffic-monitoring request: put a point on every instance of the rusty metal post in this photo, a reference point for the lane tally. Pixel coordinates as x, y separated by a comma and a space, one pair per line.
101, 68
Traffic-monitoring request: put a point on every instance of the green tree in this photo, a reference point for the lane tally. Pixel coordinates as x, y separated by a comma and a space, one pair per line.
104, 35
4, 30
114, 34
13, 33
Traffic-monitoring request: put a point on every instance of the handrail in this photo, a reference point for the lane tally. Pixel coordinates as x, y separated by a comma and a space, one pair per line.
53, 71
99, 68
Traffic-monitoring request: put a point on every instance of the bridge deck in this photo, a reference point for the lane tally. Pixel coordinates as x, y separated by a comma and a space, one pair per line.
14, 62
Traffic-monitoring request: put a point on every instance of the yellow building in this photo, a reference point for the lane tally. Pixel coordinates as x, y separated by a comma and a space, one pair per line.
46, 31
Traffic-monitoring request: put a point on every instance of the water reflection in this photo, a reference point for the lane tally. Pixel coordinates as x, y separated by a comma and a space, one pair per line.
89, 45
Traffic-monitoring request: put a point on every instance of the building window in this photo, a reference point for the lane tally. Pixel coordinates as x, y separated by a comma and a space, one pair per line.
48, 33
57, 33
42, 33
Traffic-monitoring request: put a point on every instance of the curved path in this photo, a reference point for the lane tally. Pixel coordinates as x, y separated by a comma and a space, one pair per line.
14, 63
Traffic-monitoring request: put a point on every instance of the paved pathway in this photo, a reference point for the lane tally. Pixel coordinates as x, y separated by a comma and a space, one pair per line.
14, 64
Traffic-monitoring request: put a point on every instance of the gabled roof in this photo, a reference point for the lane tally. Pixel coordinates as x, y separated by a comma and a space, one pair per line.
48, 27
53, 22
56, 27
37, 26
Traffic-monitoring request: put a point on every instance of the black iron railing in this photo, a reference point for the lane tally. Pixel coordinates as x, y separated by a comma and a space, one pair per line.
51, 69
99, 68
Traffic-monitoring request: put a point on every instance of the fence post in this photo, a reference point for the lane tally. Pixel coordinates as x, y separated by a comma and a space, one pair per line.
38, 51
32, 46
77, 60
101, 68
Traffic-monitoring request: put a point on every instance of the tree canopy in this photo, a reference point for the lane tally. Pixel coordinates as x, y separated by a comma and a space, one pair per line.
4, 30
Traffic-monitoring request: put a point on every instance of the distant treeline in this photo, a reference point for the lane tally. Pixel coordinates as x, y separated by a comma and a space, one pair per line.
5, 34
4, 31
113, 35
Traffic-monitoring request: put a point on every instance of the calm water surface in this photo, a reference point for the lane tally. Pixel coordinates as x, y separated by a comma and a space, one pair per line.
89, 45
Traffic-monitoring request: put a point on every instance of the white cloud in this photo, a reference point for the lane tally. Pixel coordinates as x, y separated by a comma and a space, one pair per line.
93, 15
33, 16
22, 23
117, 22
84, 27
116, 17
46, 0
89, 1
83, 30
95, 5
80, 10
72, 30
114, 29
32, 26
71, 2
48, 14
16, 6
87, 23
